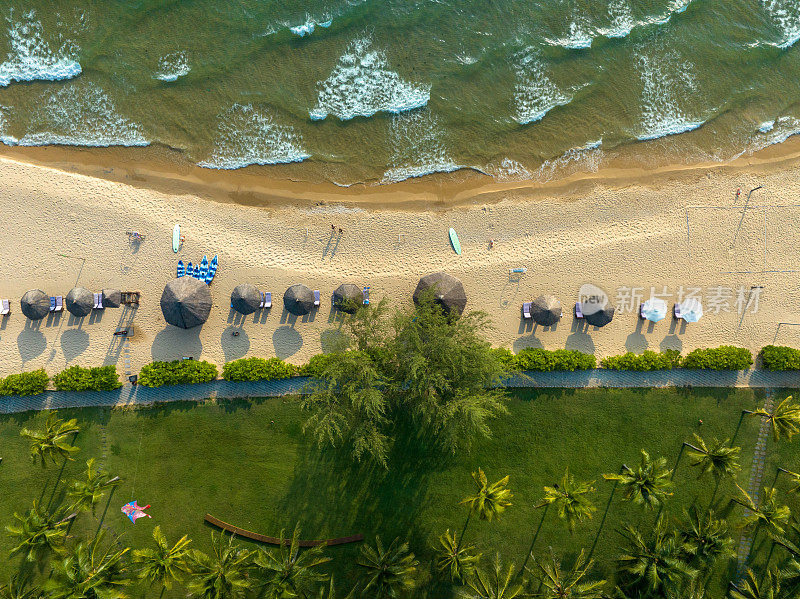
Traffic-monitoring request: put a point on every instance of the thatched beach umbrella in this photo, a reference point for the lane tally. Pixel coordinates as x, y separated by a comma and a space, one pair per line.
186, 302
245, 298
348, 297
112, 298
298, 300
601, 317
35, 304
448, 291
546, 310
79, 301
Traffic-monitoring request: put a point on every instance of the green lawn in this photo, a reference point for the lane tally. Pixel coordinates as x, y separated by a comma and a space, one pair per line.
248, 463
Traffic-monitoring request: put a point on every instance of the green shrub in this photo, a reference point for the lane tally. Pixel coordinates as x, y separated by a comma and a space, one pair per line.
25, 383
560, 359
724, 357
646, 361
76, 378
777, 357
257, 369
178, 372
316, 365
506, 357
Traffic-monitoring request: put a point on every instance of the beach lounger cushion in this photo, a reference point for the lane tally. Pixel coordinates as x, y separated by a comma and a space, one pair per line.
526, 310
578, 311
677, 310
316, 297
268, 299
5, 307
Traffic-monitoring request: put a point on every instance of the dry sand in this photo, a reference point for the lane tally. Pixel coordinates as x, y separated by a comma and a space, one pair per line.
62, 229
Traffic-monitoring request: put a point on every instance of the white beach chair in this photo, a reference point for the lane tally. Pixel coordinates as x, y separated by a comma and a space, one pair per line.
5, 307
641, 310
578, 312
526, 310
268, 299
57, 303
316, 298
98, 301
677, 310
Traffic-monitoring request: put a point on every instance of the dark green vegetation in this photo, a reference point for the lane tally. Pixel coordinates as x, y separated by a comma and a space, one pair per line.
724, 357
24, 383
177, 372
543, 360
777, 357
647, 360
257, 369
76, 378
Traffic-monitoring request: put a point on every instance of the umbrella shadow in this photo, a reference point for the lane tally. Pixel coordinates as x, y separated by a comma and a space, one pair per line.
235, 346
73, 343
53, 319
636, 342
580, 339
30, 343
671, 342
286, 341
529, 341
173, 343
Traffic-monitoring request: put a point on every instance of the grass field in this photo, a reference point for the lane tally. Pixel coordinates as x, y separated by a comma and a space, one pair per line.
249, 463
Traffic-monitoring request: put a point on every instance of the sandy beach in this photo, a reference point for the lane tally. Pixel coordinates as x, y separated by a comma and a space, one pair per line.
625, 232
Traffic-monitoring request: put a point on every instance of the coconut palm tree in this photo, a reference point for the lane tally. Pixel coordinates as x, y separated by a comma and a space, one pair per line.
163, 565
221, 575
705, 538
458, 561
753, 588
287, 572
488, 502
52, 442
654, 564
571, 499
19, 587
495, 582
766, 513
86, 493
718, 459
91, 571
38, 533
648, 485
784, 418
388, 572
557, 583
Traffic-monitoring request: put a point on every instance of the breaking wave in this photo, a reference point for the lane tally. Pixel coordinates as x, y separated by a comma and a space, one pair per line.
172, 66
418, 148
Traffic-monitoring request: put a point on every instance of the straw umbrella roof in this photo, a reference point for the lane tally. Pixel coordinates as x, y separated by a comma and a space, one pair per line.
112, 298
298, 300
601, 317
186, 302
79, 301
448, 291
245, 298
35, 304
348, 297
546, 310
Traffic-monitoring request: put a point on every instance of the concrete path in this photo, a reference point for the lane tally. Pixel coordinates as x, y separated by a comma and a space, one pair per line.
134, 395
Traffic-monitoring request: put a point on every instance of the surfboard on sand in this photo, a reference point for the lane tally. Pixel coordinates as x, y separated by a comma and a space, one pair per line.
176, 238
454, 241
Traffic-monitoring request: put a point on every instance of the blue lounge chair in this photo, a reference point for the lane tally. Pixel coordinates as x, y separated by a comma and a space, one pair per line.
316, 298
181, 269
366, 296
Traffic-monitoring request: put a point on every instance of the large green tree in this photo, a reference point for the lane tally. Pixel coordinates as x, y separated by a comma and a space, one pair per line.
387, 572
163, 564
92, 570
784, 418
85, 493
224, 574
287, 572
494, 582
557, 582
648, 484
571, 498
53, 441
38, 533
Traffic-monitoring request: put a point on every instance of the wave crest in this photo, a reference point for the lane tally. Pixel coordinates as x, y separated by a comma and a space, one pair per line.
418, 148
172, 66
535, 94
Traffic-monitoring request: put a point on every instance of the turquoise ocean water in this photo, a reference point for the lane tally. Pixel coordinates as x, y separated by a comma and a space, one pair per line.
384, 90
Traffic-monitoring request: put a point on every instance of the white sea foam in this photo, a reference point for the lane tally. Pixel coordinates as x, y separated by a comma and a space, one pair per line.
361, 84
786, 15
309, 26
535, 93
81, 115
508, 170
418, 148
586, 158
766, 126
665, 79
172, 66
774, 132
5, 138
247, 136
31, 58
578, 38
622, 21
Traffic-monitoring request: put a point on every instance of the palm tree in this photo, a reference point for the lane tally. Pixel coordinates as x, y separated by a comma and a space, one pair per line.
784, 418
766, 513
458, 561
88, 492
52, 442
556, 583
488, 502
387, 572
163, 564
89, 572
720, 460
653, 564
571, 499
223, 574
289, 573
752, 588
705, 539
19, 587
495, 583
648, 485
38, 533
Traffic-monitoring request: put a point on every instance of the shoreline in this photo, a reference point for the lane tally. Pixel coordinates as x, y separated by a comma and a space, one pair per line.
166, 170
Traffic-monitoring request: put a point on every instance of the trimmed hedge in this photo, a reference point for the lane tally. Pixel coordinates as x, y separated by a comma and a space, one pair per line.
507, 358
257, 369
76, 378
724, 357
778, 357
544, 360
25, 383
178, 372
316, 366
646, 361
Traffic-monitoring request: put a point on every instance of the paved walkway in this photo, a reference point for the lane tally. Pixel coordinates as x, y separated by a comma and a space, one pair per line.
134, 395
